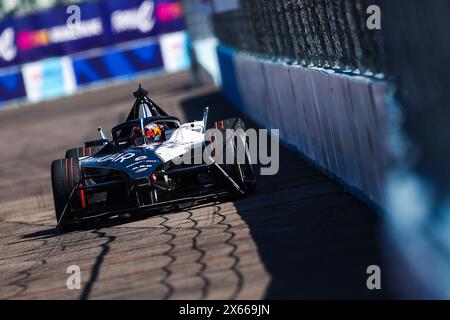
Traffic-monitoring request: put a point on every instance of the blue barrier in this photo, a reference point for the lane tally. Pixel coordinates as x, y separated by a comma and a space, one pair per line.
11, 86
337, 121
118, 63
228, 74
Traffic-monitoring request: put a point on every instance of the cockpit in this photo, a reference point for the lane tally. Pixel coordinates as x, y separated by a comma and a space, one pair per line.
146, 124
152, 133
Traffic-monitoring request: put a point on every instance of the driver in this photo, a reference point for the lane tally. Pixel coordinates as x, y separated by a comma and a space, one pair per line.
153, 133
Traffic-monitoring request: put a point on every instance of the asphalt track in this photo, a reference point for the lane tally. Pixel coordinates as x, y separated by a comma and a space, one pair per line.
300, 235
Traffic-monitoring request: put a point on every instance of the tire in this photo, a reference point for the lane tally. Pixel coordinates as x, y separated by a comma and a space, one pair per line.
65, 175
243, 174
77, 153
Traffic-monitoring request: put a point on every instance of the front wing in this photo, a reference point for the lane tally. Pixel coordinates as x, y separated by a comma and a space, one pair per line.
178, 200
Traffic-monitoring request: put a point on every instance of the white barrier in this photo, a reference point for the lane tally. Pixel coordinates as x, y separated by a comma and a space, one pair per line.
338, 121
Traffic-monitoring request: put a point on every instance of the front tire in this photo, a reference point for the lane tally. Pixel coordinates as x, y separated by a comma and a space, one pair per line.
65, 176
244, 174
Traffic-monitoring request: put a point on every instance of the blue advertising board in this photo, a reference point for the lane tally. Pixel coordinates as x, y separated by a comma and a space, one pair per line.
11, 86
116, 63
102, 23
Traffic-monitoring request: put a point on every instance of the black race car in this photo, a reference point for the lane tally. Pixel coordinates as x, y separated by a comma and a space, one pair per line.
140, 169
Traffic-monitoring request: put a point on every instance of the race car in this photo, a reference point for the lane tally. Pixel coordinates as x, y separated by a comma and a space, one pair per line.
139, 170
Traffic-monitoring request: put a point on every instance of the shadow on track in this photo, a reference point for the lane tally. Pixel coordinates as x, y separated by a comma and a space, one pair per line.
41, 234
315, 240
90, 225
95, 271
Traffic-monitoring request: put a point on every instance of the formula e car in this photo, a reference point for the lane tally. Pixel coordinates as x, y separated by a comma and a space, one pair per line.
139, 170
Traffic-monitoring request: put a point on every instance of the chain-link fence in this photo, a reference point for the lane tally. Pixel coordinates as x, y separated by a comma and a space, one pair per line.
325, 33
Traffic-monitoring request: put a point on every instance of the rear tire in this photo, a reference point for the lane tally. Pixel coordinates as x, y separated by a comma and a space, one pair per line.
65, 175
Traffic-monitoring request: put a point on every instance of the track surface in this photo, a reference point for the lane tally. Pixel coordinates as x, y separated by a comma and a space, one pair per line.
299, 236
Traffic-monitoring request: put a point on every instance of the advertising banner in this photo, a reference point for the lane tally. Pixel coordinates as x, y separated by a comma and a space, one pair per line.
66, 30
117, 63
49, 78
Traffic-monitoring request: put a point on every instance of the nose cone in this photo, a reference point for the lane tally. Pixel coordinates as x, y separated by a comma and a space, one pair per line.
143, 164
136, 162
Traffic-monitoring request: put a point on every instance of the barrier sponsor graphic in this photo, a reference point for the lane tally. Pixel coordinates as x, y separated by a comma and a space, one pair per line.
49, 78
141, 19
103, 23
8, 50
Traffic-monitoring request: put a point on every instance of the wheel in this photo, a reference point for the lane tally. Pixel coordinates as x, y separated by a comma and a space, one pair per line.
244, 174
77, 153
65, 175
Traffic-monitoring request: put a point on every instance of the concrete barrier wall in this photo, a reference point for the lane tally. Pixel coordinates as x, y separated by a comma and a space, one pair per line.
337, 121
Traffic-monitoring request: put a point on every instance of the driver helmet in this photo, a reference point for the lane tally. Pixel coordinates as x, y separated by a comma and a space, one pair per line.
154, 133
